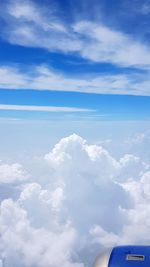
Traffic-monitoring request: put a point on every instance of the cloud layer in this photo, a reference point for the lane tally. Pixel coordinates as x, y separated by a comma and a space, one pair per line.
28, 23
90, 201
43, 78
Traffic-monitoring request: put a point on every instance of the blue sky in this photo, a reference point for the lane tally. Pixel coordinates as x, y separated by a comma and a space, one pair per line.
91, 56
95, 106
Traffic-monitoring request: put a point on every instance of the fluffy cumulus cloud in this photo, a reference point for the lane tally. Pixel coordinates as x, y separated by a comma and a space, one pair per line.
91, 201
12, 173
24, 245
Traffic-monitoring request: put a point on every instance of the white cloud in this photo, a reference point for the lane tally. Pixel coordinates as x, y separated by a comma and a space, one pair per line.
131, 167
99, 235
42, 25
43, 108
96, 158
43, 78
136, 230
107, 45
11, 78
42, 203
12, 173
138, 144
90, 201
28, 24
26, 246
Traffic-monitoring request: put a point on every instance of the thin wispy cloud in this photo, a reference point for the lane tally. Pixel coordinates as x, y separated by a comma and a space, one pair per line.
43, 108
139, 7
44, 78
32, 26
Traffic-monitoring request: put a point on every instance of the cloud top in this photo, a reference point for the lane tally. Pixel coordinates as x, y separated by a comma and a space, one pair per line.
90, 201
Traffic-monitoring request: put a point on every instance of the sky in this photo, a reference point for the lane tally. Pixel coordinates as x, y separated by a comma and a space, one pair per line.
91, 55
74, 130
